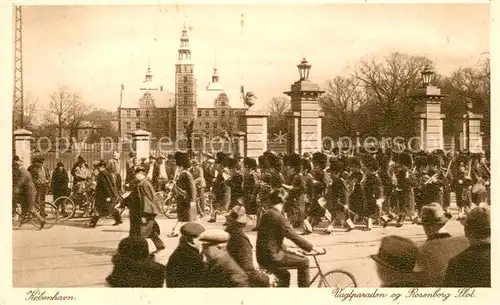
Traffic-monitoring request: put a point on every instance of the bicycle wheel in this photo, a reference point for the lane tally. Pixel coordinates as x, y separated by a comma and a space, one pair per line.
209, 203
16, 215
50, 214
67, 206
338, 279
169, 208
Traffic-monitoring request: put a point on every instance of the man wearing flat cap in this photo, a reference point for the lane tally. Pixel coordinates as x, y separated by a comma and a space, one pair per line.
41, 177
472, 267
440, 246
185, 267
220, 270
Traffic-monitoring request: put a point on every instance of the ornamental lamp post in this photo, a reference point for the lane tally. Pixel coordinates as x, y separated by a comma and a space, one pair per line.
304, 68
427, 75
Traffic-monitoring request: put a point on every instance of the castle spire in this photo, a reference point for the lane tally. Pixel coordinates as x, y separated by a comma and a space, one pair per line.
149, 74
184, 50
215, 76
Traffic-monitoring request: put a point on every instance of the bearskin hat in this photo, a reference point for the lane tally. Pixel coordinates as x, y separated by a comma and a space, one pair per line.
463, 158
273, 161
433, 160
293, 160
263, 164
250, 163
336, 166
420, 161
405, 159
356, 176
181, 159
219, 157
319, 159
230, 162
439, 152
306, 164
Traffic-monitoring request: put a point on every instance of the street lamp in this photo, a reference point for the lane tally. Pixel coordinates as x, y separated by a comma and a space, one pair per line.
427, 75
304, 68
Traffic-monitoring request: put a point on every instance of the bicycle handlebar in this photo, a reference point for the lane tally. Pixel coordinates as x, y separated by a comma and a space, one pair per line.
314, 252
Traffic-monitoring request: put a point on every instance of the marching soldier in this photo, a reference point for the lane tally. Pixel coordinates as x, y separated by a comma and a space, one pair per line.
250, 186
337, 198
420, 172
317, 185
221, 189
297, 193
372, 190
462, 186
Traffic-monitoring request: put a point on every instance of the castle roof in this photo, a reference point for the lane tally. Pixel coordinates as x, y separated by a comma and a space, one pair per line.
161, 98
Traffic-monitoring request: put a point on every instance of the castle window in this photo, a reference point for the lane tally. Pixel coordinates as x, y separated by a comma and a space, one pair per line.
185, 124
147, 113
215, 125
138, 113
185, 79
178, 69
185, 89
223, 103
207, 113
138, 125
222, 113
207, 125
215, 113
199, 124
199, 113
128, 112
133, 112
129, 125
185, 100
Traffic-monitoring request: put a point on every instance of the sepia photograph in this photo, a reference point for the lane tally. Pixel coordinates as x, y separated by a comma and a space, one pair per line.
330, 145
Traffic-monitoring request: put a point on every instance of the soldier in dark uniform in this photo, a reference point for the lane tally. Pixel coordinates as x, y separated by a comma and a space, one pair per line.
221, 189
404, 198
250, 186
462, 185
316, 186
337, 197
372, 190
434, 184
184, 192
420, 177
235, 182
297, 193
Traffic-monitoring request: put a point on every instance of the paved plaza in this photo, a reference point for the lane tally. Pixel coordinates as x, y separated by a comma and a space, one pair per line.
71, 255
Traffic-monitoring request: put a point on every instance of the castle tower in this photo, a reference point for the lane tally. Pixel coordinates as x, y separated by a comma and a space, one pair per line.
185, 87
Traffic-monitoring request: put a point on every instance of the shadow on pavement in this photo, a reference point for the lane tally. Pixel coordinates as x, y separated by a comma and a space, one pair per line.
116, 231
99, 251
77, 223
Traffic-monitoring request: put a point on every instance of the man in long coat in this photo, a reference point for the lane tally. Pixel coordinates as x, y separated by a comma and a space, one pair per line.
105, 196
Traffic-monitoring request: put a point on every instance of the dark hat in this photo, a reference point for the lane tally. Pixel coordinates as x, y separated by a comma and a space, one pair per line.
306, 164
16, 159
36, 160
81, 159
420, 161
181, 159
263, 164
139, 169
273, 161
336, 166
433, 160
397, 253
230, 162
319, 159
101, 163
478, 222
59, 164
41, 159
439, 152
219, 157
293, 160
357, 175
132, 154
433, 213
405, 159
249, 162
238, 214
307, 155
134, 247
192, 229
214, 236
353, 161
370, 162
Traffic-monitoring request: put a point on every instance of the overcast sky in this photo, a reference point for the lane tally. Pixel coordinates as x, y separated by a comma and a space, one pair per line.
94, 49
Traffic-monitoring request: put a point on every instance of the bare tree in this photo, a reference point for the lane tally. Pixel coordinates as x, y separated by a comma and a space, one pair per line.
389, 82
342, 98
278, 108
66, 110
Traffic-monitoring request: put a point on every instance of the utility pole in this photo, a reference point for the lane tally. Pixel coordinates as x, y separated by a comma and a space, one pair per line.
18, 98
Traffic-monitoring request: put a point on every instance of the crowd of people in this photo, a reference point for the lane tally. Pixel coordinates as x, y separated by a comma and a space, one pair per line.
288, 197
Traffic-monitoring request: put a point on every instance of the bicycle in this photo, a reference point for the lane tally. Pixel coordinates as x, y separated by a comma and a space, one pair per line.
336, 278
46, 209
84, 207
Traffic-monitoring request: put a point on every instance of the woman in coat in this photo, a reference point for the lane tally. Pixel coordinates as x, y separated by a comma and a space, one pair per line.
105, 195
133, 267
59, 183
184, 192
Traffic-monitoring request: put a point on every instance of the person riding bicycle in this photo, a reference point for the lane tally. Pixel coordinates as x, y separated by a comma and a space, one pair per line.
24, 190
271, 252
80, 173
